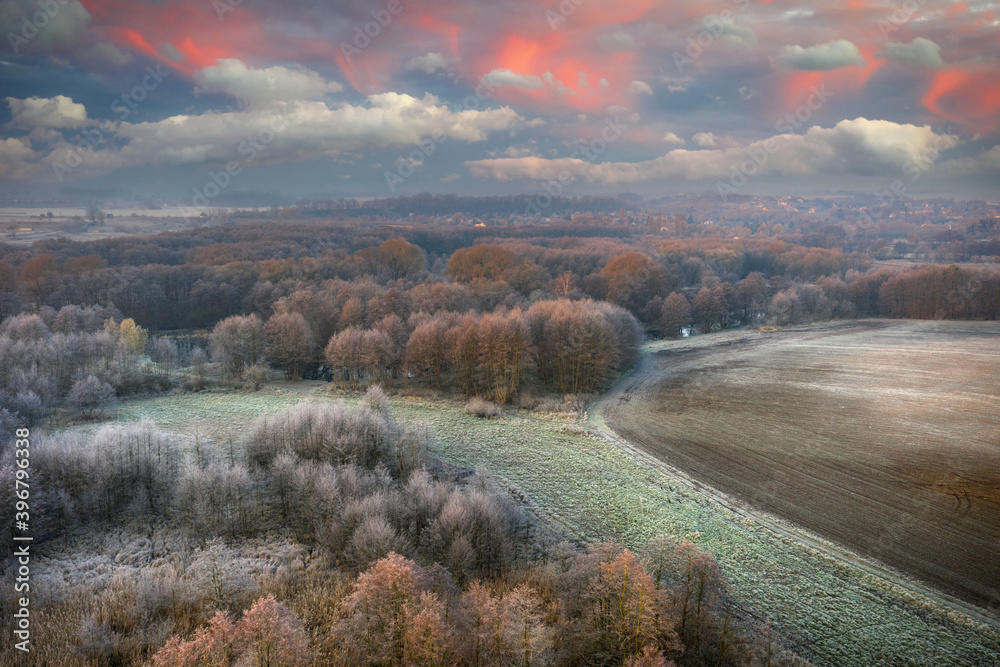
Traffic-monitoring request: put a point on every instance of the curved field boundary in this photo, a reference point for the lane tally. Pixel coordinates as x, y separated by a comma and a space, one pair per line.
873, 598
590, 486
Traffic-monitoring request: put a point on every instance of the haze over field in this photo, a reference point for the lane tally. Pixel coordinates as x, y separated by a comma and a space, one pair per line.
403, 96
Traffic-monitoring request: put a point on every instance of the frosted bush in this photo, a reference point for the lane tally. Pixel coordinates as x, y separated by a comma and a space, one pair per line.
92, 398
321, 432
482, 408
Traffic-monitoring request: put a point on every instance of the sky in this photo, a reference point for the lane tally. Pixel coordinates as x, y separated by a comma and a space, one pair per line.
222, 102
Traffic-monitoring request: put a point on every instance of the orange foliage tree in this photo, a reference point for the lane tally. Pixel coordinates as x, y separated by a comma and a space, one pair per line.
267, 634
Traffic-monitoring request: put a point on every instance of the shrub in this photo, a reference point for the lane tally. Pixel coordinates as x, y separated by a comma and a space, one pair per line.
323, 432
255, 377
482, 408
91, 397
472, 534
376, 400
571, 404
373, 539
527, 401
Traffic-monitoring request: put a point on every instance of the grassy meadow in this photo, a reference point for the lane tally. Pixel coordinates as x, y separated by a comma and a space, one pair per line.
832, 609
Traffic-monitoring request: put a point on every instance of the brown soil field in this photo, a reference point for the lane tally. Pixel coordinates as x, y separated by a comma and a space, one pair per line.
883, 436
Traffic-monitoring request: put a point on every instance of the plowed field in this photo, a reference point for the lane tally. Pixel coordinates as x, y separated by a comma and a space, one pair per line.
882, 436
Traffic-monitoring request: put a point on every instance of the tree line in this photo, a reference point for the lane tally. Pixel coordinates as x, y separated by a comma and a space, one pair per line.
573, 347
362, 305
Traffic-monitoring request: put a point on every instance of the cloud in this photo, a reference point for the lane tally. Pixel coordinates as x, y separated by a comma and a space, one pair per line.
988, 160
290, 131
671, 138
16, 159
619, 40
851, 147
504, 77
640, 88
991, 158
918, 53
822, 57
103, 53
430, 63
704, 139
286, 57
260, 87
450, 178
59, 112
677, 84
514, 151
65, 27
409, 161
738, 36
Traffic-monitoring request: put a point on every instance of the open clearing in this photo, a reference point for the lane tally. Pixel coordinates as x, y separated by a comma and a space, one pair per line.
884, 436
832, 609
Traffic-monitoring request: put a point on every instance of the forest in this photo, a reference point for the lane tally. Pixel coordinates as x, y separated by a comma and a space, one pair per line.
410, 561
448, 309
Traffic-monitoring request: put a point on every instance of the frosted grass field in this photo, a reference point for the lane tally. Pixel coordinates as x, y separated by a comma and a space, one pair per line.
833, 610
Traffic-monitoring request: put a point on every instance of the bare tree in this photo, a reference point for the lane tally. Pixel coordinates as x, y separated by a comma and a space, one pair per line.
427, 350
237, 344
91, 397
269, 633
397, 258
290, 342
94, 212
675, 315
